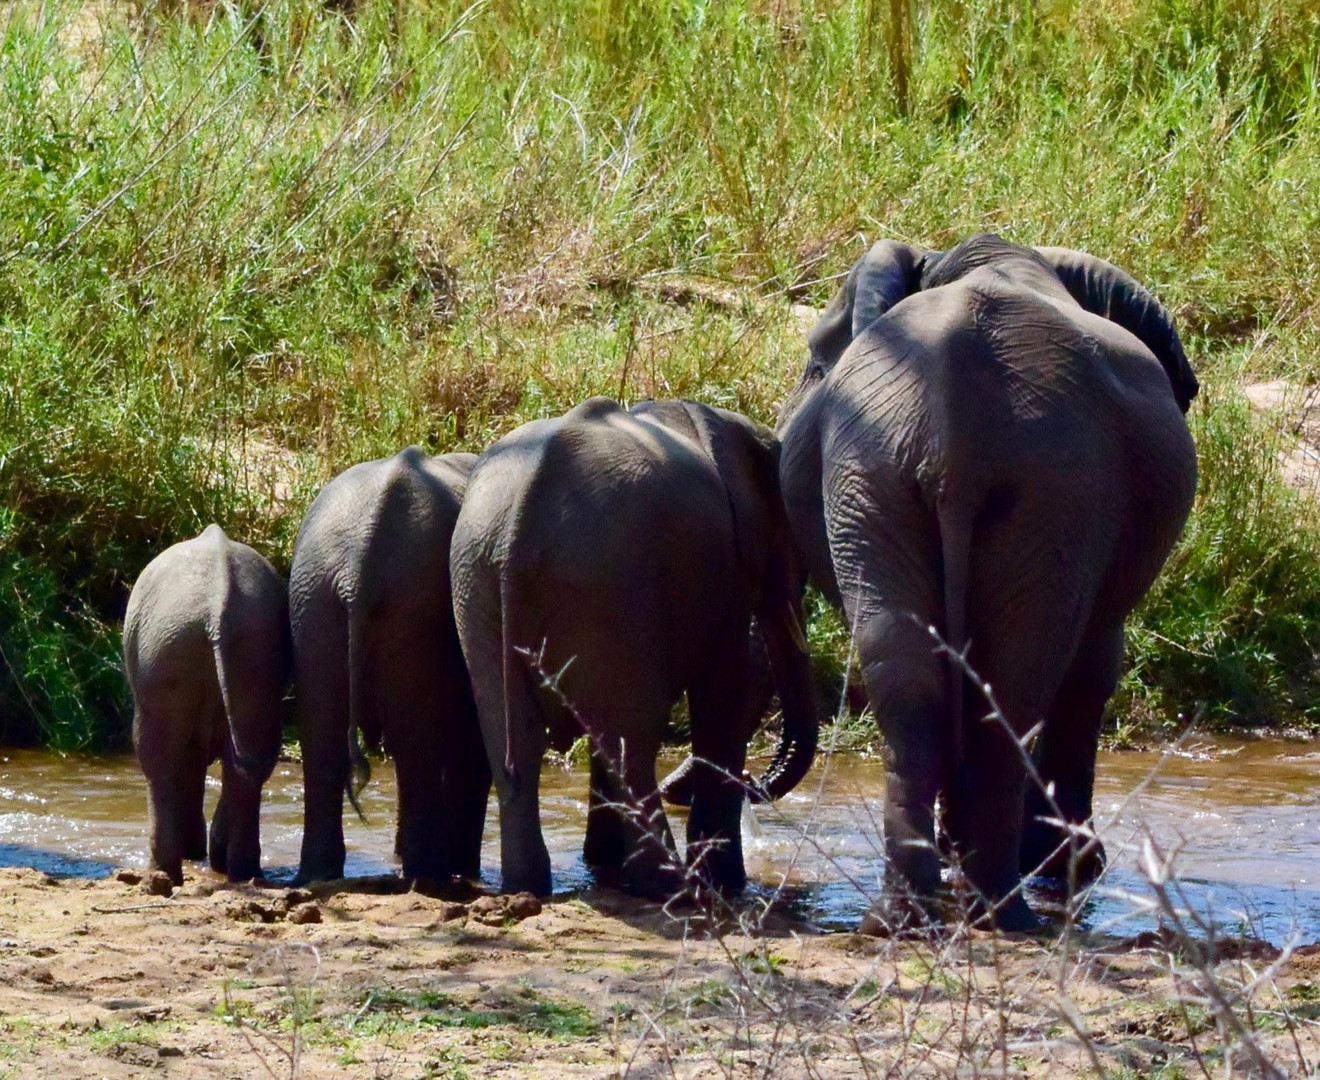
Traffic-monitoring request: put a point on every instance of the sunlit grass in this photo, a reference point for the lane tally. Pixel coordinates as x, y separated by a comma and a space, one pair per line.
243, 247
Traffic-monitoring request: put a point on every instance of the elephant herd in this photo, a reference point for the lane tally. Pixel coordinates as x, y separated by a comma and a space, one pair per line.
983, 466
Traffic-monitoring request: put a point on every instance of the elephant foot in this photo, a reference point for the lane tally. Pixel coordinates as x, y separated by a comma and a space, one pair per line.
1048, 852
602, 851
173, 868
606, 843
535, 881
318, 870
428, 868
244, 869
1009, 916
718, 865
661, 883
901, 916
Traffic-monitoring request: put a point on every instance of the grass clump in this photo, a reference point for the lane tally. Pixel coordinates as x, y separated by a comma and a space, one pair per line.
522, 1008
246, 247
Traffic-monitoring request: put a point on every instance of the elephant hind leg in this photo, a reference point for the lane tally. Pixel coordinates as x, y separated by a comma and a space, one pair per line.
519, 743
1029, 615
606, 843
241, 797
220, 834
321, 676
652, 867
721, 726
466, 787
906, 682
191, 780
416, 741
1065, 756
166, 842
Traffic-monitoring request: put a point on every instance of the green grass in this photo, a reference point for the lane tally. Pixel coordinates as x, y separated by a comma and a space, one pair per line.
522, 1008
244, 247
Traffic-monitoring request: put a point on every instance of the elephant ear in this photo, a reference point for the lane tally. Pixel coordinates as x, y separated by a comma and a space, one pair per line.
877, 281
1105, 290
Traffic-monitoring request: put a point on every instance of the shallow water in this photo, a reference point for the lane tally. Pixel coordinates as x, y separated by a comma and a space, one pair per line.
1241, 820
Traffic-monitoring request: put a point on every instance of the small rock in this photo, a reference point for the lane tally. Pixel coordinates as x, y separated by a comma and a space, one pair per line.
305, 913
252, 911
295, 897
144, 1057
487, 910
523, 905
128, 877
153, 1014
498, 910
449, 912
158, 883
874, 925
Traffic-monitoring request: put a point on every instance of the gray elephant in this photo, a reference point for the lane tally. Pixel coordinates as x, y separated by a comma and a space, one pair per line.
206, 652
989, 441
376, 651
604, 563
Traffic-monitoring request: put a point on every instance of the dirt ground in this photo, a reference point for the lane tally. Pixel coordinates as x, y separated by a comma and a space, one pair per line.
359, 979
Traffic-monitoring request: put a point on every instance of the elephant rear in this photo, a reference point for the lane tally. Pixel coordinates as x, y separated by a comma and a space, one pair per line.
206, 651
605, 563
992, 460
376, 651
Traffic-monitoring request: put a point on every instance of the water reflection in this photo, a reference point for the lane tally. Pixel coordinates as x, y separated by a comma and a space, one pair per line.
1240, 819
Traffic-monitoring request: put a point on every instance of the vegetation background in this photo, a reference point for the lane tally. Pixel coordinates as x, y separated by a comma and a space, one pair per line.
242, 247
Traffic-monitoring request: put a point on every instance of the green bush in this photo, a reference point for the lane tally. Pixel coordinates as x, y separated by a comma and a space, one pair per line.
244, 246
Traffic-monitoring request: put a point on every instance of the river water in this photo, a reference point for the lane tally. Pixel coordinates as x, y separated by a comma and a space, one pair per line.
1237, 822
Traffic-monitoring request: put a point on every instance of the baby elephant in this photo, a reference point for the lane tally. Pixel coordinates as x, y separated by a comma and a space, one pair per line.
208, 659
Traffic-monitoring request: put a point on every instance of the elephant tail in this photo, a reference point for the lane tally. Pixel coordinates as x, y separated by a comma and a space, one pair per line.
359, 768
955, 547
515, 683
244, 758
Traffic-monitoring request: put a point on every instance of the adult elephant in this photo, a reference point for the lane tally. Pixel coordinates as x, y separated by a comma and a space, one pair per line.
605, 562
375, 650
988, 441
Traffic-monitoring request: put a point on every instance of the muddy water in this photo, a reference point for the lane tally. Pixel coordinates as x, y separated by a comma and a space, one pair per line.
1240, 820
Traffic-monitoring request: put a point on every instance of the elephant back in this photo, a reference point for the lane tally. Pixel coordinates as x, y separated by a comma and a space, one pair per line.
992, 378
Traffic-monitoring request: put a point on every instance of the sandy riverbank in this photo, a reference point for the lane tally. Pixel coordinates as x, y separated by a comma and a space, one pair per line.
100, 978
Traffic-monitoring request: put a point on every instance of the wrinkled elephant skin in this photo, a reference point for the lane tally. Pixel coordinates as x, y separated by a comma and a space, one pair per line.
989, 442
604, 563
376, 651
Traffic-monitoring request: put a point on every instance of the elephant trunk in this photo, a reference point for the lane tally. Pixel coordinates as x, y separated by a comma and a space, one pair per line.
791, 665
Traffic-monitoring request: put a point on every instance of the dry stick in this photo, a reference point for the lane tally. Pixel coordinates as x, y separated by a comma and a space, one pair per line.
1157, 874
294, 1054
154, 905
1087, 832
